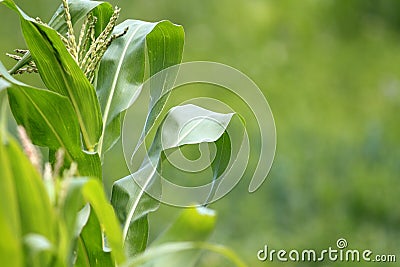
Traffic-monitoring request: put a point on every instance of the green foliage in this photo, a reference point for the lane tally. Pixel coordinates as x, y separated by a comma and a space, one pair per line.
61, 74
131, 202
330, 72
57, 214
89, 190
335, 100
25, 208
54, 126
122, 70
176, 246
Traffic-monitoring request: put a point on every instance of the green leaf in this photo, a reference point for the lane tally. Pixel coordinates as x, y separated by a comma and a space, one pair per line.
22, 193
11, 251
193, 224
78, 10
61, 74
104, 220
132, 208
136, 240
159, 252
31, 194
122, 69
190, 124
90, 245
196, 125
220, 162
51, 125
94, 195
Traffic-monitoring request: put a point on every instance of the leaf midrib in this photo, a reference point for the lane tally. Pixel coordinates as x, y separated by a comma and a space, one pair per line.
82, 125
59, 139
136, 203
113, 87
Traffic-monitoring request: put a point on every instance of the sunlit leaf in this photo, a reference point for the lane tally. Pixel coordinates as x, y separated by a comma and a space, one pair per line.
78, 10
136, 240
90, 245
161, 251
122, 69
196, 125
193, 224
10, 229
82, 191
132, 208
61, 74
51, 125
22, 194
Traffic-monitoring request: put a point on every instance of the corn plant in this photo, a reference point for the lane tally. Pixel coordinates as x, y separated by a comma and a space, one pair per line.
56, 213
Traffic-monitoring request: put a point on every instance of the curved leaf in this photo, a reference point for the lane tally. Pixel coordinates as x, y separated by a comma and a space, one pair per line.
159, 252
90, 250
51, 125
22, 194
61, 74
78, 10
132, 207
190, 124
136, 241
195, 125
11, 251
122, 69
82, 191
193, 224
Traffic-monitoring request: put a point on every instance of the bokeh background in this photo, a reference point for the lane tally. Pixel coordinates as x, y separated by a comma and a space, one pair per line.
331, 73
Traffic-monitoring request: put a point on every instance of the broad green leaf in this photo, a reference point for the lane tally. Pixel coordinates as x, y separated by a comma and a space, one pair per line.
103, 220
93, 193
31, 194
136, 240
161, 251
220, 162
61, 74
78, 10
31, 106
190, 124
122, 69
74, 212
90, 245
24, 193
132, 207
195, 125
113, 133
11, 251
193, 224
51, 125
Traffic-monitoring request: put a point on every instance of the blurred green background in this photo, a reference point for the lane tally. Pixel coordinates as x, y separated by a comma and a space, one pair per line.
331, 73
